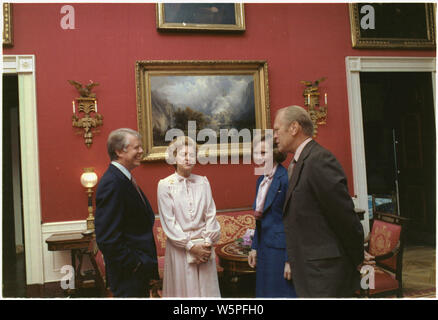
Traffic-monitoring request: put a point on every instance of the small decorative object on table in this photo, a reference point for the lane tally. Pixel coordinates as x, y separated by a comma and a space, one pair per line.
246, 241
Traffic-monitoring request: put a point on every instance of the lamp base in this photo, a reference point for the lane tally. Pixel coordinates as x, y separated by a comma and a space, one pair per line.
90, 223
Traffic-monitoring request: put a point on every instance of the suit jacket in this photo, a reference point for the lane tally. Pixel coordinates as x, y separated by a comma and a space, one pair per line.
270, 228
323, 233
123, 227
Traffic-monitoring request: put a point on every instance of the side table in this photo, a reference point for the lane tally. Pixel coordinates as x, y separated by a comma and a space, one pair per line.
238, 277
79, 245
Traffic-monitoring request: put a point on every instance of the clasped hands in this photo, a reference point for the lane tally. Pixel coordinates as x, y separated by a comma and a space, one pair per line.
202, 252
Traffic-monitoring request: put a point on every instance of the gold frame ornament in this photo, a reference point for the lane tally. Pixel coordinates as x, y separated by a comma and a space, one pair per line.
210, 23
360, 41
176, 74
8, 35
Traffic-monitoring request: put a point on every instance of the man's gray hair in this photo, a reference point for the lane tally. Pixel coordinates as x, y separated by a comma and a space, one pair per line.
117, 140
300, 115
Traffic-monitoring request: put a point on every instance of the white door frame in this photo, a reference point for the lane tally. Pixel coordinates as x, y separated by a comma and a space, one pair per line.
24, 67
355, 65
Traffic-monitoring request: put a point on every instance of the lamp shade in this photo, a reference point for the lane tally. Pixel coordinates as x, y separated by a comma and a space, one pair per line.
89, 178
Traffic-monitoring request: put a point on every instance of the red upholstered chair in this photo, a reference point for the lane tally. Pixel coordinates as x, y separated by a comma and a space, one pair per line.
160, 242
386, 243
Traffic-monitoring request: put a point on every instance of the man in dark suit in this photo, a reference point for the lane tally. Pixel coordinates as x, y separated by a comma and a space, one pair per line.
124, 220
324, 237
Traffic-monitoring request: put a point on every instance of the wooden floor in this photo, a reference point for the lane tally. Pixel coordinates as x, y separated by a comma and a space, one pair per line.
419, 268
419, 272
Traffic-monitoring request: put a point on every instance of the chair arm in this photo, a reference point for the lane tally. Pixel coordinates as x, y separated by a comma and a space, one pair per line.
390, 254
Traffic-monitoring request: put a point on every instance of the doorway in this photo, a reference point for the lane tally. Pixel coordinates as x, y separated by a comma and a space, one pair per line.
399, 139
14, 267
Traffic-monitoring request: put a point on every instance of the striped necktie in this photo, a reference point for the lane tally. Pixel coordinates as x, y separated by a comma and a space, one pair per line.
137, 188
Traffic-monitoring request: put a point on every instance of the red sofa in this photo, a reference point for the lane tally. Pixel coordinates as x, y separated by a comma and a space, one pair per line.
233, 226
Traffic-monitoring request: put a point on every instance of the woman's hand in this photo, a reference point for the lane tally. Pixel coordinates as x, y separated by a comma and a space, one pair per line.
252, 258
287, 271
202, 252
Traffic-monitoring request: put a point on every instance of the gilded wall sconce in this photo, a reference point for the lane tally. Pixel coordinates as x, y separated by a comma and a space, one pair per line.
317, 113
87, 104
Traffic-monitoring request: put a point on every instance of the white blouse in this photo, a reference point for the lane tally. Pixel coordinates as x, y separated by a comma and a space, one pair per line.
187, 210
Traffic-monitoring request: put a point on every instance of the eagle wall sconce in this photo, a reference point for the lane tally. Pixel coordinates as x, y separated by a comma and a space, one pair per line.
87, 104
317, 113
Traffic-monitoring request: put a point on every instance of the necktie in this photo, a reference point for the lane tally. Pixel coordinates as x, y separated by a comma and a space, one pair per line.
290, 169
137, 188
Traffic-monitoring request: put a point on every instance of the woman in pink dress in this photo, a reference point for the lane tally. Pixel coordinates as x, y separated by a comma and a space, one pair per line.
188, 217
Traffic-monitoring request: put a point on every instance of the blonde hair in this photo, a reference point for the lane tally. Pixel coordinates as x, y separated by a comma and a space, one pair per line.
176, 144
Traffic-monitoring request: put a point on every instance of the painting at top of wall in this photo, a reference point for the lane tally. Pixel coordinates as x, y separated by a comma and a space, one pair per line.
392, 25
200, 17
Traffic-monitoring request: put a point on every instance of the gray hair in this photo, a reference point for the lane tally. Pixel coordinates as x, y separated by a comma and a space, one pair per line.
300, 115
117, 140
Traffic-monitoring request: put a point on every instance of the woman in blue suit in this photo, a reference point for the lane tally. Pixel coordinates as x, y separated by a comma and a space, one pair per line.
273, 276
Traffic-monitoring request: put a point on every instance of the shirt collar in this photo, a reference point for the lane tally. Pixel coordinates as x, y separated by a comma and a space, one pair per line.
300, 148
122, 168
271, 174
180, 178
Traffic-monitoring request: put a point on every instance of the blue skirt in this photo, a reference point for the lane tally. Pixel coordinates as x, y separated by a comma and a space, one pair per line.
270, 281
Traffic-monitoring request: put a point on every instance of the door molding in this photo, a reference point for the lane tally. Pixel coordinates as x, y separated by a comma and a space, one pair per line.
355, 65
24, 67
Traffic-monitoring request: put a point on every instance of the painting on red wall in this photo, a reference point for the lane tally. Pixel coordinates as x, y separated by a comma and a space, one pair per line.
200, 17
198, 97
392, 25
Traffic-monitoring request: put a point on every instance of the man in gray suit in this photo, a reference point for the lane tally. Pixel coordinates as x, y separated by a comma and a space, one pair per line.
324, 236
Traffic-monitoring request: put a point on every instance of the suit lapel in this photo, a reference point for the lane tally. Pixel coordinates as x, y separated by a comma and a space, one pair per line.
273, 188
131, 190
297, 172
259, 180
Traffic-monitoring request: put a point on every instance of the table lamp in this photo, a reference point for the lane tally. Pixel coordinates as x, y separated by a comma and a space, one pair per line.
89, 180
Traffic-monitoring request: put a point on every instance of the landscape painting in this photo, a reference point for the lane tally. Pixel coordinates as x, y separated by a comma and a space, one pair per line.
215, 102
215, 95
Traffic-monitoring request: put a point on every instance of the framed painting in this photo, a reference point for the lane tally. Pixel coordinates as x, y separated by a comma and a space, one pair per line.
7, 25
218, 97
392, 25
200, 17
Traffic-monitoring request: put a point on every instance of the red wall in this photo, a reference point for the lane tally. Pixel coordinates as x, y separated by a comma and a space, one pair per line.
299, 41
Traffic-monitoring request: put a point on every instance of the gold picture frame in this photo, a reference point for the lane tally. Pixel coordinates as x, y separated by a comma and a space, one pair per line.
8, 40
170, 93
397, 26
222, 17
